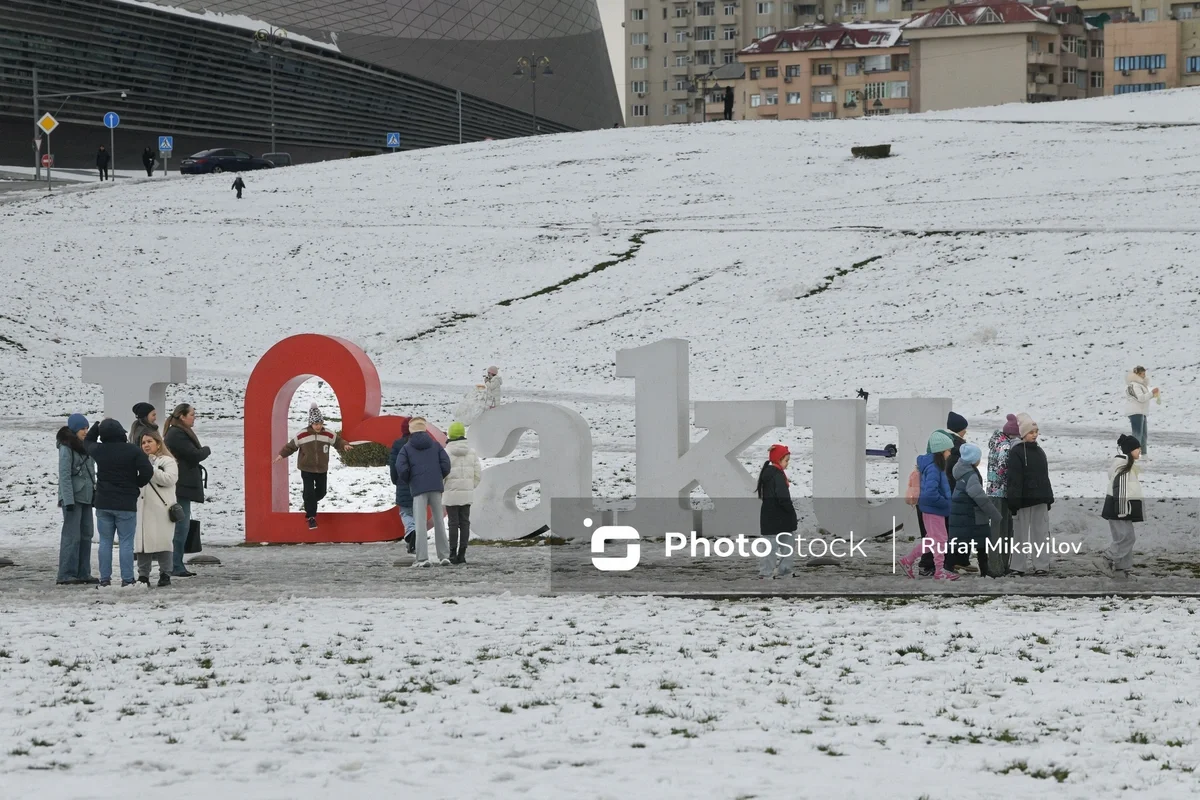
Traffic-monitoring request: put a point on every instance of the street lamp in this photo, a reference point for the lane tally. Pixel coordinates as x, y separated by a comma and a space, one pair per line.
532, 66
37, 98
268, 41
701, 84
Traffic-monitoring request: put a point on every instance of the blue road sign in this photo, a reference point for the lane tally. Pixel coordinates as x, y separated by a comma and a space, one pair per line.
166, 143
111, 120
393, 140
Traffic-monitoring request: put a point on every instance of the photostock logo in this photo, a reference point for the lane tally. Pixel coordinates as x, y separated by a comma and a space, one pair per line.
615, 533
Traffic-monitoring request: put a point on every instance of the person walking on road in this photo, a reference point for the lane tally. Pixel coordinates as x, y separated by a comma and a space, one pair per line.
155, 536
313, 444
424, 465
76, 496
238, 185
148, 157
103, 159
465, 472
179, 435
1029, 497
1138, 395
122, 470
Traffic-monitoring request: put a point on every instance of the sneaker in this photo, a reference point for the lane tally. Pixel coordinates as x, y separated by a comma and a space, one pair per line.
126, 584
144, 580
445, 562
1122, 576
424, 563
1041, 573
908, 568
163, 580
945, 576
72, 582
105, 582
962, 569
312, 523
1013, 573
89, 581
925, 573
1104, 564
184, 574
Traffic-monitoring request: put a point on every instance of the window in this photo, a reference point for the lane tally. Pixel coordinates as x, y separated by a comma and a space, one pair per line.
824, 69
906, 5
1068, 44
1182, 12
771, 72
1081, 79
1050, 49
728, 56
1149, 15
821, 115
883, 6
773, 99
706, 9
681, 84
681, 36
637, 62
1035, 45
637, 14
852, 68
878, 63
1097, 48
639, 38
730, 9
1138, 87
858, 7
793, 98
755, 73
639, 111
755, 100
766, 8
681, 61
729, 34
897, 89
639, 87
875, 91
763, 30
806, 10
664, 17
851, 97
681, 11
1131, 63
823, 96
1192, 64
1097, 80
706, 34
679, 109
900, 63
792, 71
1068, 75
706, 58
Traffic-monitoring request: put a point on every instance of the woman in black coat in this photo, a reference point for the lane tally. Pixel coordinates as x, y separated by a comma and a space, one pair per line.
181, 440
777, 517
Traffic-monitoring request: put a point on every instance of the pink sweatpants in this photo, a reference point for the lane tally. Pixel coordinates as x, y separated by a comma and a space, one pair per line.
935, 530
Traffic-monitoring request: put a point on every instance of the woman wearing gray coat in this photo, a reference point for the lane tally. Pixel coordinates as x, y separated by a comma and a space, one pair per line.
76, 494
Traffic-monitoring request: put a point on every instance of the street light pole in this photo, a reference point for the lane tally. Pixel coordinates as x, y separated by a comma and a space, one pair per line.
533, 64
37, 156
270, 40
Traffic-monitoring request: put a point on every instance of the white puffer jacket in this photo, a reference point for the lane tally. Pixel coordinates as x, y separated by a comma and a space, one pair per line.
155, 531
465, 470
1137, 394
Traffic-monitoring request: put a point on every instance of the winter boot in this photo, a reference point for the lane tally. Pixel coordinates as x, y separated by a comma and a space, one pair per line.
312, 523
144, 580
907, 567
163, 579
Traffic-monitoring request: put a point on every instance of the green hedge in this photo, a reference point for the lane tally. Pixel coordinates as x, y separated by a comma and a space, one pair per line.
366, 454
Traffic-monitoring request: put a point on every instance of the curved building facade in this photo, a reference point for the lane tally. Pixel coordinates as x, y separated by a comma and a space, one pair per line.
436, 71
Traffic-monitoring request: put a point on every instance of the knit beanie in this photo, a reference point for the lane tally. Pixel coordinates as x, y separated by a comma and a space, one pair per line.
776, 453
493, 371
457, 431
940, 442
77, 423
1025, 424
970, 453
956, 423
315, 417
1010, 427
1128, 443
142, 410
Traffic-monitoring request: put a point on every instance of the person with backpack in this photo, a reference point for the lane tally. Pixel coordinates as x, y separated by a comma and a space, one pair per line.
179, 435
1123, 503
1138, 395
424, 465
465, 472
1029, 496
1000, 537
934, 507
122, 470
76, 494
404, 498
313, 444
971, 510
155, 535
777, 521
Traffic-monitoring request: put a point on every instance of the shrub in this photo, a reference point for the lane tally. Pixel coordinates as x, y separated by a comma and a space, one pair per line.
367, 454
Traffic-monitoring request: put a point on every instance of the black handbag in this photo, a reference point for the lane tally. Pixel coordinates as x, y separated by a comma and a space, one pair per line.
193, 545
174, 511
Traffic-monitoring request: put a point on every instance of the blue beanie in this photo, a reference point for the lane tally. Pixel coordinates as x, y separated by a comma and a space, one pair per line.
970, 453
940, 442
77, 423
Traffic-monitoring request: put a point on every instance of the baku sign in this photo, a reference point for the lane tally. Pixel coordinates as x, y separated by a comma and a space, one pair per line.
668, 463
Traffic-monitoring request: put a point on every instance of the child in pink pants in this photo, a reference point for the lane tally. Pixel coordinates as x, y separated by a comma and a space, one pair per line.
934, 506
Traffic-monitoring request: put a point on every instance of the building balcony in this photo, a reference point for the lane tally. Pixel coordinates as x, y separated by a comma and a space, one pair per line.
1047, 89
704, 44
768, 111
1070, 60
681, 22
686, 44
1047, 59
679, 71
824, 80
822, 107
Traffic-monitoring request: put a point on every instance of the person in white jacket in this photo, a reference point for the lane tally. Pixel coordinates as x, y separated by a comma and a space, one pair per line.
1123, 503
465, 470
491, 386
155, 533
1138, 395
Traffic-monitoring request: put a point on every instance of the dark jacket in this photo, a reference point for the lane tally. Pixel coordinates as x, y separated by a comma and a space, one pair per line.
188, 455
148, 157
955, 455
423, 464
122, 468
403, 493
935, 488
970, 507
238, 183
1028, 478
728, 99
103, 157
777, 514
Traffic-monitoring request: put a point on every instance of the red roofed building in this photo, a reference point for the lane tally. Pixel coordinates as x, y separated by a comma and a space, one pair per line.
825, 72
989, 53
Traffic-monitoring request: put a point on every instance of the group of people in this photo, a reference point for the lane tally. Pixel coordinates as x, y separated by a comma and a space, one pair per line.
1003, 521
104, 159
137, 488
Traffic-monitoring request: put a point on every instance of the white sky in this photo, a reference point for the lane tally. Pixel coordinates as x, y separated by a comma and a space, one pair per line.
612, 14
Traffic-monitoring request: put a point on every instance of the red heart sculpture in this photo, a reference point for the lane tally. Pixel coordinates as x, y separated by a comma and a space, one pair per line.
273, 383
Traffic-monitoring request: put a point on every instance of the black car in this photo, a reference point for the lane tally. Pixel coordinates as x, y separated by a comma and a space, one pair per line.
222, 160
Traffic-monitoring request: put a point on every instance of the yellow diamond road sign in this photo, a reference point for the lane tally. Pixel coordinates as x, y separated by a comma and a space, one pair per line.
47, 123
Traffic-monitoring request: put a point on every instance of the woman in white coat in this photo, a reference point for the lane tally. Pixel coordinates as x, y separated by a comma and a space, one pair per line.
155, 534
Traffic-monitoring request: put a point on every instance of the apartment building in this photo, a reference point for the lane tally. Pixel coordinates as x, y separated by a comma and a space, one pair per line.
1146, 56
1147, 11
825, 72
996, 51
670, 44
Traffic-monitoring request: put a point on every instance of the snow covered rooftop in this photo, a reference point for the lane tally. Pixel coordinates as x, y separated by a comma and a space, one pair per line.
836, 36
232, 20
988, 12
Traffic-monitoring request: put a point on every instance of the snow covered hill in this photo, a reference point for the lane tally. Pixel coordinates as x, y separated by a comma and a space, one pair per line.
1012, 267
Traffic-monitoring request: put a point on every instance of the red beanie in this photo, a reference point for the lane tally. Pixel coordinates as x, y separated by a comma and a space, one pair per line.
776, 454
